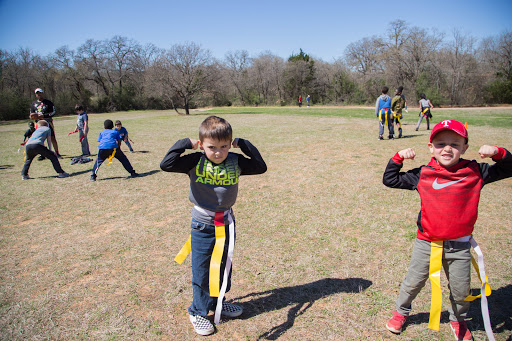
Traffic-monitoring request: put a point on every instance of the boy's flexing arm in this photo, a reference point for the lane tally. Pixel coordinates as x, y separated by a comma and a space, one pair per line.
501, 169
174, 162
254, 165
405, 180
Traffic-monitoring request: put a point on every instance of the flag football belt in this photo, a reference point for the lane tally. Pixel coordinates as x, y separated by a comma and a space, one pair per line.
220, 219
424, 111
397, 115
111, 156
436, 260
385, 115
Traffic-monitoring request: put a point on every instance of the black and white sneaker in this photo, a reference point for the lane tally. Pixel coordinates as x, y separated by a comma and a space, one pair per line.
231, 310
202, 325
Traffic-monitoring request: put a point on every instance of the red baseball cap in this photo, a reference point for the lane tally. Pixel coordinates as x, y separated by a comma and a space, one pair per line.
452, 125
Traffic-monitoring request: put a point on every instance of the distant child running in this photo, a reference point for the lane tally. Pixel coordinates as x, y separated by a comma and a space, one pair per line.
449, 189
384, 114
124, 134
108, 148
35, 146
397, 104
425, 106
214, 175
82, 127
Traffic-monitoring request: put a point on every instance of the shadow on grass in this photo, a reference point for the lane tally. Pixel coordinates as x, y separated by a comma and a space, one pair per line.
71, 174
6, 166
80, 172
154, 171
141, 175
300, 298
406, 137
500, 312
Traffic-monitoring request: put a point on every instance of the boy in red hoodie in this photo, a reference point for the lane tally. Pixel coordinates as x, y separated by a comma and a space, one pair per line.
449, 188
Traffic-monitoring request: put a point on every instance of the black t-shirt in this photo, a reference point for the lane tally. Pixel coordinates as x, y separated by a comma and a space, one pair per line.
44, 107
28, 133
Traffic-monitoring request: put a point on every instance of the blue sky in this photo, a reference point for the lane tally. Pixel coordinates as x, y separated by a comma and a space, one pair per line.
323, 29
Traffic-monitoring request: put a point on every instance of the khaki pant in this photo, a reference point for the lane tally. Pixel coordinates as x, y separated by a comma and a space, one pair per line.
457, 266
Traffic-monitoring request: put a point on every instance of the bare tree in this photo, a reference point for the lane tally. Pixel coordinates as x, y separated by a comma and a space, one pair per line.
238, 63
185, 71
72, 73
419, 51
460, 64
394, 53
497, 53
365, 55
93, 55
120, 54
142, 60
266, 75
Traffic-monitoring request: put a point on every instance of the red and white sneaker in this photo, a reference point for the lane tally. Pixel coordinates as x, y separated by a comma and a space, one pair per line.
461, 331
396, 323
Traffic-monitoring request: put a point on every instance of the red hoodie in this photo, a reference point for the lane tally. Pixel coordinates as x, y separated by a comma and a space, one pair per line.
449, 197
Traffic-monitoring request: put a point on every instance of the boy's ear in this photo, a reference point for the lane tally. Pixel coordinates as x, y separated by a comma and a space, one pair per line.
430, 147
200, 144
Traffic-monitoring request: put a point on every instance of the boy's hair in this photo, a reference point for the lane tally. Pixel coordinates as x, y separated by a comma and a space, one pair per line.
31, 124
400, 88
108, 124
78, 107
214, 127
118, 122
385, 89
422, 96
42, 123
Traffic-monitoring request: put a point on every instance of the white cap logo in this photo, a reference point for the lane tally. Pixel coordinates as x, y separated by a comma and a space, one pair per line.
446, 123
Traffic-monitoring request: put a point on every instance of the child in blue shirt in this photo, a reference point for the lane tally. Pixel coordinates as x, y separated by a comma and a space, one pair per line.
108, 148
384, 114
124, 134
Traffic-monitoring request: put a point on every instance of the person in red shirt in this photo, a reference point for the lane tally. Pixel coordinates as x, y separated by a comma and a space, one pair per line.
449, 187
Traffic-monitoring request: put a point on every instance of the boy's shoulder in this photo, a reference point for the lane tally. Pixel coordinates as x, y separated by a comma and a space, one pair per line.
109, 132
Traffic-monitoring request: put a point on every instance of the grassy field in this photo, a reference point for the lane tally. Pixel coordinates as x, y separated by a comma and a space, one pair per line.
322, 245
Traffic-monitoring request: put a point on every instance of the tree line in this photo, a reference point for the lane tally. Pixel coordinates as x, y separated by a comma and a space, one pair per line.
121, 74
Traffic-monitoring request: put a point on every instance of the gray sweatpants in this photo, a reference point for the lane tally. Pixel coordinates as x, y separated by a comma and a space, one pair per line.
382, 121
457, 266
84, 143
421, 119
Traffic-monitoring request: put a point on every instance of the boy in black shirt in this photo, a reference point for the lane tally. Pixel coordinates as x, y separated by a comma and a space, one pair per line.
214, 177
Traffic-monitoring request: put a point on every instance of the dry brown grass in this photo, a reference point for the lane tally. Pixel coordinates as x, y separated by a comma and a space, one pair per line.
322, 245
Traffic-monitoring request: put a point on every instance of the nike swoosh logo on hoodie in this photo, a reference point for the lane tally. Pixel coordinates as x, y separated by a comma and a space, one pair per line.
436, 185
